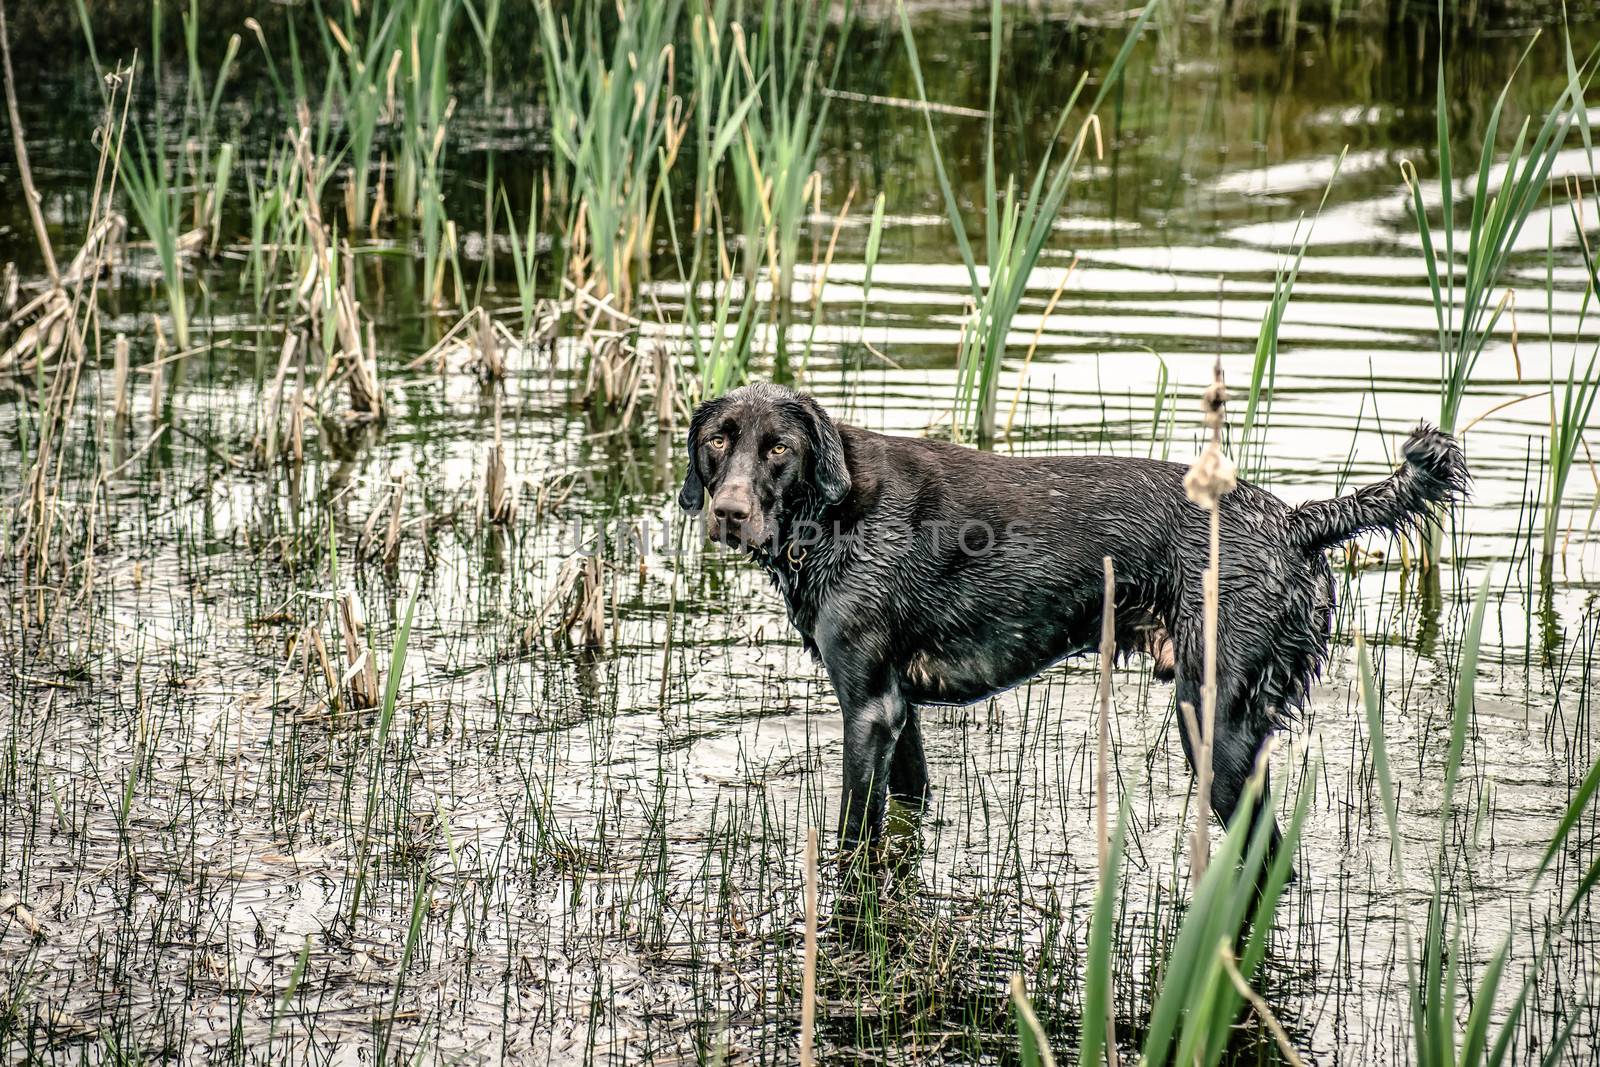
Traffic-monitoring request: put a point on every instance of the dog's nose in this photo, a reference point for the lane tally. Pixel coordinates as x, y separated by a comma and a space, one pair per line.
737, 510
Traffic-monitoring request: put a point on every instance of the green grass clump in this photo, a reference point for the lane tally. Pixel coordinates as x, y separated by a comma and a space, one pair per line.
1468, 314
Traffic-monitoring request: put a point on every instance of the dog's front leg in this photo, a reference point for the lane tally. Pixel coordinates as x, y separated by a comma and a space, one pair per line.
874, 716
908, 770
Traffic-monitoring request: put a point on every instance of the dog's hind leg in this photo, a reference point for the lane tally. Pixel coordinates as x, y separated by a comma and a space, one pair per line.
1239, 738
908, 769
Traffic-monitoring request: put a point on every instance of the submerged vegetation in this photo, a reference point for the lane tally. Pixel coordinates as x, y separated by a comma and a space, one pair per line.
364, 693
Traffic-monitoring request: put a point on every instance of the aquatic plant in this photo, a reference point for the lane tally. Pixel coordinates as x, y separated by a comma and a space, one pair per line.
719, 101
1572, 407
616, 127
1495, 215
720, 358
1016, 224
363, 67
776, 175
524, 261
1220, 944
156, 203
150, 174
1250, 448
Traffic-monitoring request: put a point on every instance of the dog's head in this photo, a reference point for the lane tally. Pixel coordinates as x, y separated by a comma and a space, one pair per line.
766, 455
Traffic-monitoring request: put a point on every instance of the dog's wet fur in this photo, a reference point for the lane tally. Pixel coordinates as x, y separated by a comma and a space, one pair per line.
921, 572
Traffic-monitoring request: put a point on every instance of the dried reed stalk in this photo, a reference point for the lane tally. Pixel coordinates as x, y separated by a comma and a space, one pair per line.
499, 501
391, 536
1211, 477
270, 419
361, 369
808, 981
488, 362
1102, 800
158, 374
42, 493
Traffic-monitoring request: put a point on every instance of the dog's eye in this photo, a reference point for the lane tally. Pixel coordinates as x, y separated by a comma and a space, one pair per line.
778, 450
717, 441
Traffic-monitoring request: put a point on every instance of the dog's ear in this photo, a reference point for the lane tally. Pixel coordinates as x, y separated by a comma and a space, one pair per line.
832, 473
692, 497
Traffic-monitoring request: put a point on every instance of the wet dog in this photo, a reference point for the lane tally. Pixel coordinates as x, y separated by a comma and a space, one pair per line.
921, 572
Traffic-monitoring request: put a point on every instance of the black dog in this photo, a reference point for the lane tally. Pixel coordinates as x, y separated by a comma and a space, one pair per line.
921, 572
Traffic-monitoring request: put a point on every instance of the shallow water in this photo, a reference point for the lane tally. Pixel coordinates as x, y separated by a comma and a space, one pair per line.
575, 854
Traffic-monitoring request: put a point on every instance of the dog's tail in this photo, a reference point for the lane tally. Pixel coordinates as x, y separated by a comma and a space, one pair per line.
1434, 473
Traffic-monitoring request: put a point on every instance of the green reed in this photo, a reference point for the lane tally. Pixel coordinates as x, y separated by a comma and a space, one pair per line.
775, 171
1571, 408
157, 180
362, 65
380, 735
1219, 945
1016, 224
424, 42
719, 103
1467, 315
1251, 446
615, 126
1491, 1033
157, 203
524, 260
721, 359
486, 25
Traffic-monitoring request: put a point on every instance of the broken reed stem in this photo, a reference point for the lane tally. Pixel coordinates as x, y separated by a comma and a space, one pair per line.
1102, 799
391, 536
499, 496
361, 671
808, 980
269, 431
1211, 477
29, 193
1041, 1041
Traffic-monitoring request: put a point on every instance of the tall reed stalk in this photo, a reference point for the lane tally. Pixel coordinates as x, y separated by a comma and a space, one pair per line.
363, 65
156, 203
1571, 409
720, 100
1250, 449
1467, 315
1219, 947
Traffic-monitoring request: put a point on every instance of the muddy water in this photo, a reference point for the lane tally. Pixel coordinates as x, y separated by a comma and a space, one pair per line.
572, 854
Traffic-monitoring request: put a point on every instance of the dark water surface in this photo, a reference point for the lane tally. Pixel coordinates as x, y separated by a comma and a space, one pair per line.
578, 855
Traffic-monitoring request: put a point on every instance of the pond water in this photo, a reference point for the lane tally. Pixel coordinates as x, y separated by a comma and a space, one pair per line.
560, 854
